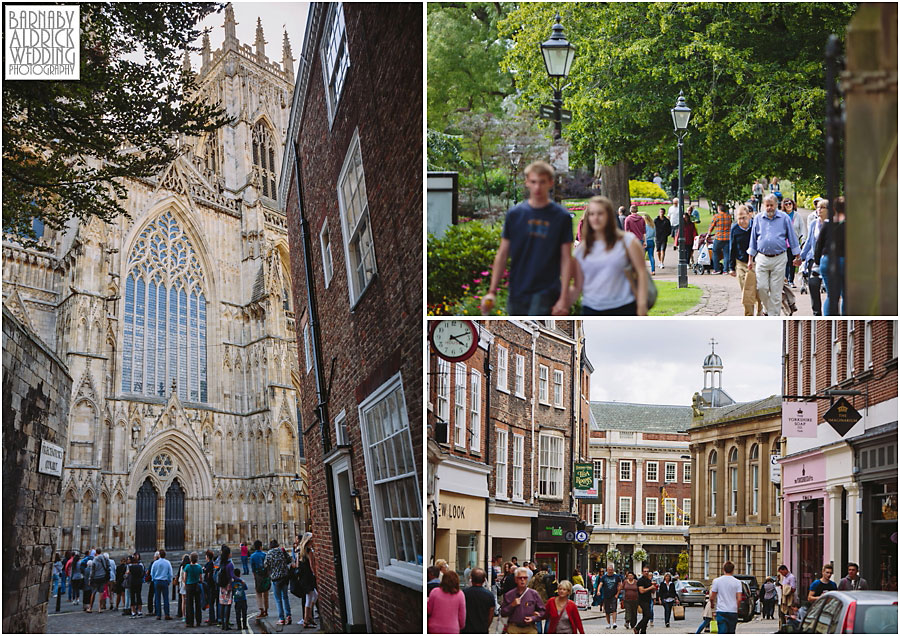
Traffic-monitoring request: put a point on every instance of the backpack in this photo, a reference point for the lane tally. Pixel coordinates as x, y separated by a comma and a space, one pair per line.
101, 574
136, 572
223, 579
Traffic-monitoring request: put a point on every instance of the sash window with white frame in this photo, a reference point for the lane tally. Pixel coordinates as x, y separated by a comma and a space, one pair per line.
733, 481
669, 510
557, 388
867, 346
800, 358
652, 471
671, 473
625, 470
686, 472
713, 483
550, 474
686, 512
835, 343
459, 401
624, 511
754, 479
327, 261
518, 472
543, 373
335, 57
475, 412
359, 246
307, 348
520, 376
812, 357
651, 505
502, 367
851, 349
443, 390
502, 452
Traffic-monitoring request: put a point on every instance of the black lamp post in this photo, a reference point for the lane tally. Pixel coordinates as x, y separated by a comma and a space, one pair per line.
681, 115
515, 157
558, 54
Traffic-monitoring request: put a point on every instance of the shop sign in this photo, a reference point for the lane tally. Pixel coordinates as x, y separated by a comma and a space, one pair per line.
842, 416
584, 486
452, 511
51, 459
775, 469
803, 478
554, 530
798, 419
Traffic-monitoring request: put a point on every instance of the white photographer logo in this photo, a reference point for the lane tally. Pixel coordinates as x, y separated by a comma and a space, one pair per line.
42, 42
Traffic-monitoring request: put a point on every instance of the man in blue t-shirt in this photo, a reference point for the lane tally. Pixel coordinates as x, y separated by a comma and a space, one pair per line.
818, 587
610, 584
537, 236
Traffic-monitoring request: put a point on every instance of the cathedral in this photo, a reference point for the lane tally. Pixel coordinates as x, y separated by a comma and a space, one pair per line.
177, 327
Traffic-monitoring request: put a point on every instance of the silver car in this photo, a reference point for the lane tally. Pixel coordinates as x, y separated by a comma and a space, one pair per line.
690, 592
865, 612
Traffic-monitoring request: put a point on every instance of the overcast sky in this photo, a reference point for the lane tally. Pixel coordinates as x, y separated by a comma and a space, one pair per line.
276, 17
661, 361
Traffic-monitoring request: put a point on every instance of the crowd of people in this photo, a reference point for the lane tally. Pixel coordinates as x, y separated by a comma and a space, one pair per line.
214, 586
763, 246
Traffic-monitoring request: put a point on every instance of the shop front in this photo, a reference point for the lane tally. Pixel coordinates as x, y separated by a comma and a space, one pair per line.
663, 557
805, 510
552, 538
509, 526
459, 538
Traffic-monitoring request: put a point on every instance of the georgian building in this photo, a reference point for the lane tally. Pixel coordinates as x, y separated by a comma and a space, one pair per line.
177, 327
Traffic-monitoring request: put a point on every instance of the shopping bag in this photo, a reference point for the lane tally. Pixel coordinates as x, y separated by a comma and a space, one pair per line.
749, 296
714, 626
678, 612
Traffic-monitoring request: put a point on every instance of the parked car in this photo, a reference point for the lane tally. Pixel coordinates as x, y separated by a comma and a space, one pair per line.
865, 612
747, 607
751, 581
690, 592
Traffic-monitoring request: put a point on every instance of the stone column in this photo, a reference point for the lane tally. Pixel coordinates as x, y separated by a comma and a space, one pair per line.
833, 526
743, 502
722, 485
853, 522
766, 487
613, 476
638, 507
699, 486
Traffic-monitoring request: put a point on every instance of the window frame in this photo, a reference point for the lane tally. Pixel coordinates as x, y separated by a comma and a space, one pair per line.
341, 434
558, 386
674, 467
519, 377
674, 512
307, 347
550, 475
800, 358
502, 368
460, 372
686, 511
812, 357
621, 511
835, 340
327, 265
868, 362
442, 393
655, 477
347, 233
622, 464
501, 460
647, 511
544, 384
686, 471
475, 411
851, 349
332, 102
518, 486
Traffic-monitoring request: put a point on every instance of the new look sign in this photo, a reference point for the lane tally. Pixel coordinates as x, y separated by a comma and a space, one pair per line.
42, 42
798, 419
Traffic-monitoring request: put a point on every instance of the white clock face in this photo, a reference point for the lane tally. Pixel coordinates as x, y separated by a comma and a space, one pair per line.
453, 338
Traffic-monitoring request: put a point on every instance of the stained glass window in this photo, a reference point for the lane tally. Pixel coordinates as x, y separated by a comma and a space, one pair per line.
165, 315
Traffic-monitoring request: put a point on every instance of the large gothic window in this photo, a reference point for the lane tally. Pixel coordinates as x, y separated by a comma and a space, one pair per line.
165, 315
264, 158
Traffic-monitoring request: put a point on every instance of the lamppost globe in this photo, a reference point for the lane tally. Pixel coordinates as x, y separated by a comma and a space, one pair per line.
558, 53
681, 114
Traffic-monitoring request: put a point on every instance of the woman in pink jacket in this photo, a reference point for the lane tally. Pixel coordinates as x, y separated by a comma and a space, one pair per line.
447, 606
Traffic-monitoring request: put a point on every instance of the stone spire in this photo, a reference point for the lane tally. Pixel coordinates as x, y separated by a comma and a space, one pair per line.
186, 62
260, 41
206, 53
230, 37
286, 60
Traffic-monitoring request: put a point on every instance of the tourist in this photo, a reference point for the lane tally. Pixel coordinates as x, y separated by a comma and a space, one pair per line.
835, 304
224, 579
193, 577
707, 618
179, 582
509, 577
725, 594
151, 592
853, 581
674, 216
600, 266
69, 571
447, 606
239, 595
694, 213
121, 570
161, 575
757, 195
769, 596
57, 574
689, 228
788, 592
245, 557
577, 579
668, 596
433, 574
480, 604
738, 261
562, 613
278, 564
136, 581
629, 599
537, 236
306, 567
770, 237
261, 580
646, 588
99, 577
211, 591
650, 242
522, 605
636, 224
799, 223
621, 217
720, 229
657, 180
663, 231
823, 584
609, 586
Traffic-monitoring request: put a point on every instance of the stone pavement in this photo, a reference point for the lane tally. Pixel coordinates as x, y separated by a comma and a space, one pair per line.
595, 623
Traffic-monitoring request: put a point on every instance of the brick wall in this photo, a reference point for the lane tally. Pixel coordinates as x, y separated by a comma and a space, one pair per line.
36, 390
381, 335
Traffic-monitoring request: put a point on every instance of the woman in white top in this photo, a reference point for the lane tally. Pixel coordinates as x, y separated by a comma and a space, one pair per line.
600, 263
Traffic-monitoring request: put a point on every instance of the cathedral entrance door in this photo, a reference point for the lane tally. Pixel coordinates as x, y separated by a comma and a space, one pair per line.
145, 519
175, 517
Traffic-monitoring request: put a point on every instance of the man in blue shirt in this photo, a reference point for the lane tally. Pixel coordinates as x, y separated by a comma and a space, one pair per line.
161, 574
770, 238
610, 584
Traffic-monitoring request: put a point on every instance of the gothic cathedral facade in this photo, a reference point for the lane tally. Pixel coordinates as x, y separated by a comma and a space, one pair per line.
178, 330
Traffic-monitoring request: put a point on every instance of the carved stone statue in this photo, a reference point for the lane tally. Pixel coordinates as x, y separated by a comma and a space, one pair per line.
697, 405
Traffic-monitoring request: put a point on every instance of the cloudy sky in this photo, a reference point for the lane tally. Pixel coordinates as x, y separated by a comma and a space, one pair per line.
660, 361
276, 17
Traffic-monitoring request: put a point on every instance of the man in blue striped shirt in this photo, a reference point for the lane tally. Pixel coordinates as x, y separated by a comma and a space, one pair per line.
770, 237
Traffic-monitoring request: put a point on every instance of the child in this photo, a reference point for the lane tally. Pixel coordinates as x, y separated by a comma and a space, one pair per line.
239, 596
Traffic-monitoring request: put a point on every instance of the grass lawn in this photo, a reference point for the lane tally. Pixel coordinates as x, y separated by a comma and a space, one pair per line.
672, 300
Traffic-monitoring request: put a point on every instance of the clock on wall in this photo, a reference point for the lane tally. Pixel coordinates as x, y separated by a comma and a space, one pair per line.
453, 340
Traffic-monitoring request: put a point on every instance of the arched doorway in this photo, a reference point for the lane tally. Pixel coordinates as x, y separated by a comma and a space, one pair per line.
145, 519
175, 517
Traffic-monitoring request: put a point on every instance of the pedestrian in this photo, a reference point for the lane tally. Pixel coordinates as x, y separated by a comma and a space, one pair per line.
161, 574
621, 217
769, 596
853, 581
210, 589
689, 228
720, 229
646, 588
601, 261
121, 570
245, 557
663, 231
757, 194
224, 579
833, 231
725, 597
261, 581
480, 604
822, 584
609, 585
179, 582
562, 613
69, 570
771, 236
674, 217
193, 580
658, 180
523, 605
788, 593
577, 579
509, 578
738, 261
635, 223
694, 213
433, 574
707, 617
99, 578
306, 568
668, 596
278, 564
790, 208
629, 599
151, 592
447, 606
537, 236
136, 581
57, 574
239, 595
650, 242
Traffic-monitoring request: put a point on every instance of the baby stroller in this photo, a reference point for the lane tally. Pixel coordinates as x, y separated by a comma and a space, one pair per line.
703, 261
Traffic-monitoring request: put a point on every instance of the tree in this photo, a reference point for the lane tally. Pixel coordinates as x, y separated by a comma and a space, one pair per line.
753, 74
683, 566
67, 144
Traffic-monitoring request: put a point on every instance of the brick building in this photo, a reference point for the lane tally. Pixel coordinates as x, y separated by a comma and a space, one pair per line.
840, 492
354, 222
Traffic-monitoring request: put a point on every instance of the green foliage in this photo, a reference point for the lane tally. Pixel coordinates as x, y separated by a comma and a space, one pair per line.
805, 200
455, 261
752, 73
639, 555
645, 190
683, 565
67, 144
445, 152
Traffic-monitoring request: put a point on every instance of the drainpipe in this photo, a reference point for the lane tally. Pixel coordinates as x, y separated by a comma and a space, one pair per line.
487, 455
534, 393
573, 505
321, 391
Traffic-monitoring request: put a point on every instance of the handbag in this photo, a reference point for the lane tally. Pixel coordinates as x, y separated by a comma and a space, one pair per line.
713, 626
678, 612
263, 582
652, 292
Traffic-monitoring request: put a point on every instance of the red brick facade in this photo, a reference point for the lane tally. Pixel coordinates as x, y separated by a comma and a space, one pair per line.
361, 347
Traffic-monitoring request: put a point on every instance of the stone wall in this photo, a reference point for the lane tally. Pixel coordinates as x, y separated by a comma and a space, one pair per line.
36, 390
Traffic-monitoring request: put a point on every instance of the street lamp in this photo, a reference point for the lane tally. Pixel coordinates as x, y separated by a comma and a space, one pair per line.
681, 115
515, 156
558, 54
